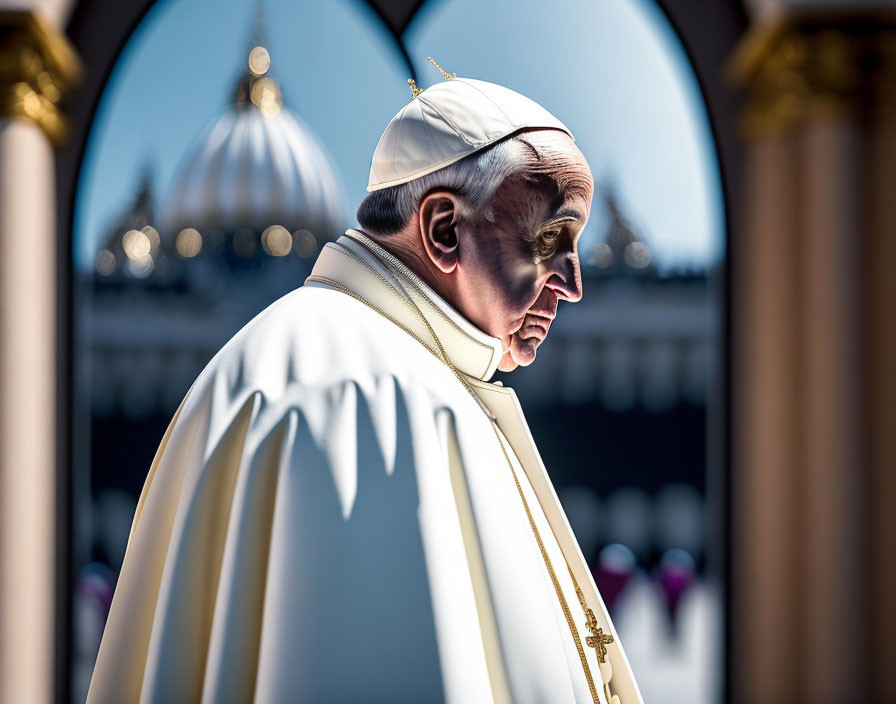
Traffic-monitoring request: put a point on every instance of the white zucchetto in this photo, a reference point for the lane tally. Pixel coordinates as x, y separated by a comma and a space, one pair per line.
447, 122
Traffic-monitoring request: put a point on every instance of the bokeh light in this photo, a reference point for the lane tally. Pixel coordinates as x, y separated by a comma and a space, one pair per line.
276, 241
189, 242
136, 244
105, 262
259, 60
304, 243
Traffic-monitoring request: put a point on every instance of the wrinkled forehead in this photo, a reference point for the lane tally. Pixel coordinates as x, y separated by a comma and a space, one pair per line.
533, 196
527, 201
558, 167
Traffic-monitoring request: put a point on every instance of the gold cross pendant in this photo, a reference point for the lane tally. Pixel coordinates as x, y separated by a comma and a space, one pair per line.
599, 639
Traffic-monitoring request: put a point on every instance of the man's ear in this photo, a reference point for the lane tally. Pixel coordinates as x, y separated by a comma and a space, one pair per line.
438, 216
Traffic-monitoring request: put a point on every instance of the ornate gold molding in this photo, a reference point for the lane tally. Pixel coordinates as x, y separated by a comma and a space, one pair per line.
37, 66
805, 67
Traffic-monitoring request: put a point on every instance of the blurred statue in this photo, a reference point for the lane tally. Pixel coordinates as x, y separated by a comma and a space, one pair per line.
343, 508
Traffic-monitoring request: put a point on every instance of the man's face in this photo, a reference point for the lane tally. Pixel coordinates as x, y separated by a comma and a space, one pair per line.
516, 269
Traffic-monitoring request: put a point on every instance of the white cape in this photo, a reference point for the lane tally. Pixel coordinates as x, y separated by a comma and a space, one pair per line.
330, 518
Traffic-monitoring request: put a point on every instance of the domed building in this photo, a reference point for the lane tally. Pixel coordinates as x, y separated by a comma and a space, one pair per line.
251, 203
257, 162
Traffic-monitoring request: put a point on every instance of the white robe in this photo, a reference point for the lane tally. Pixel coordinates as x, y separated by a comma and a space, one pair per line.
330, 518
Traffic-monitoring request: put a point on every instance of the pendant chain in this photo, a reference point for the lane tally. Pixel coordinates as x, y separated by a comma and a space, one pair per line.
598, 639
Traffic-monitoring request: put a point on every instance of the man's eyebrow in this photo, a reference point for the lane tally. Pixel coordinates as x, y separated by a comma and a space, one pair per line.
564, 215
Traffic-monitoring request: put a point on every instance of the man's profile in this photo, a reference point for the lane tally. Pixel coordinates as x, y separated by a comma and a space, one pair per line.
343, 508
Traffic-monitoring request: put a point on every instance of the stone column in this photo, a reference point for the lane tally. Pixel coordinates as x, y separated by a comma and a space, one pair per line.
36, 62
814, 387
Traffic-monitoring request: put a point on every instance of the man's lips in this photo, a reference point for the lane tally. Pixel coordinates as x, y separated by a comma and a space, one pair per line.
534, 326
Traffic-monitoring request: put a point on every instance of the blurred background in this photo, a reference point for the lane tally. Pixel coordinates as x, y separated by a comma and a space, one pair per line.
716, 413
221, 159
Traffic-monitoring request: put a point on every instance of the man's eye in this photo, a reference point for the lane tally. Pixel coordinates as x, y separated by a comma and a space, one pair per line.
547, 243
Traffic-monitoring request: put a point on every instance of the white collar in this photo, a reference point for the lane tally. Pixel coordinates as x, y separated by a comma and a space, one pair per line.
377, 276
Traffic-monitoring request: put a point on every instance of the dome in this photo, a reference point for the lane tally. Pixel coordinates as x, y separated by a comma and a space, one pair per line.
256, 165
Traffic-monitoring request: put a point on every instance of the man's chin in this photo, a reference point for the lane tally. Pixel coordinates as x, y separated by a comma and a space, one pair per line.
507, 364
520, 353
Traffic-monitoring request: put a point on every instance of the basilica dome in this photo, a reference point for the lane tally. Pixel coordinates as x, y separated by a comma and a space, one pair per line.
258, 164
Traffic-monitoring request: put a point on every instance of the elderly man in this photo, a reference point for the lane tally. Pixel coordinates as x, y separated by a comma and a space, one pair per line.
343, 508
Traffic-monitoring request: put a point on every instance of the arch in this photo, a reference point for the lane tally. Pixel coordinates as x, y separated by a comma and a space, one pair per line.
100, 29
708, 52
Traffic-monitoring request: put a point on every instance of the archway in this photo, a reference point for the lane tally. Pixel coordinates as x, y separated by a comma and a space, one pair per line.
101, 56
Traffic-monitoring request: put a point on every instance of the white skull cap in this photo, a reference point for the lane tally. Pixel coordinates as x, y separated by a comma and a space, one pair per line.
448, 121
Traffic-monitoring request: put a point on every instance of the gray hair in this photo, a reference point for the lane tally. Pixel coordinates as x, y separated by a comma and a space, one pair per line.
475, 178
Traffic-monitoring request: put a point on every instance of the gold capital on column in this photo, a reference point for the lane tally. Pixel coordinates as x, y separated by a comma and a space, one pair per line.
804, 66
37, 66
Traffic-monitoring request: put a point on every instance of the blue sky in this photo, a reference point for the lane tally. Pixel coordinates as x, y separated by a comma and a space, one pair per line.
612, 71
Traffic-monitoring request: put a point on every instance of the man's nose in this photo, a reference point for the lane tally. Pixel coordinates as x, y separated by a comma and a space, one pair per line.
566, 281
